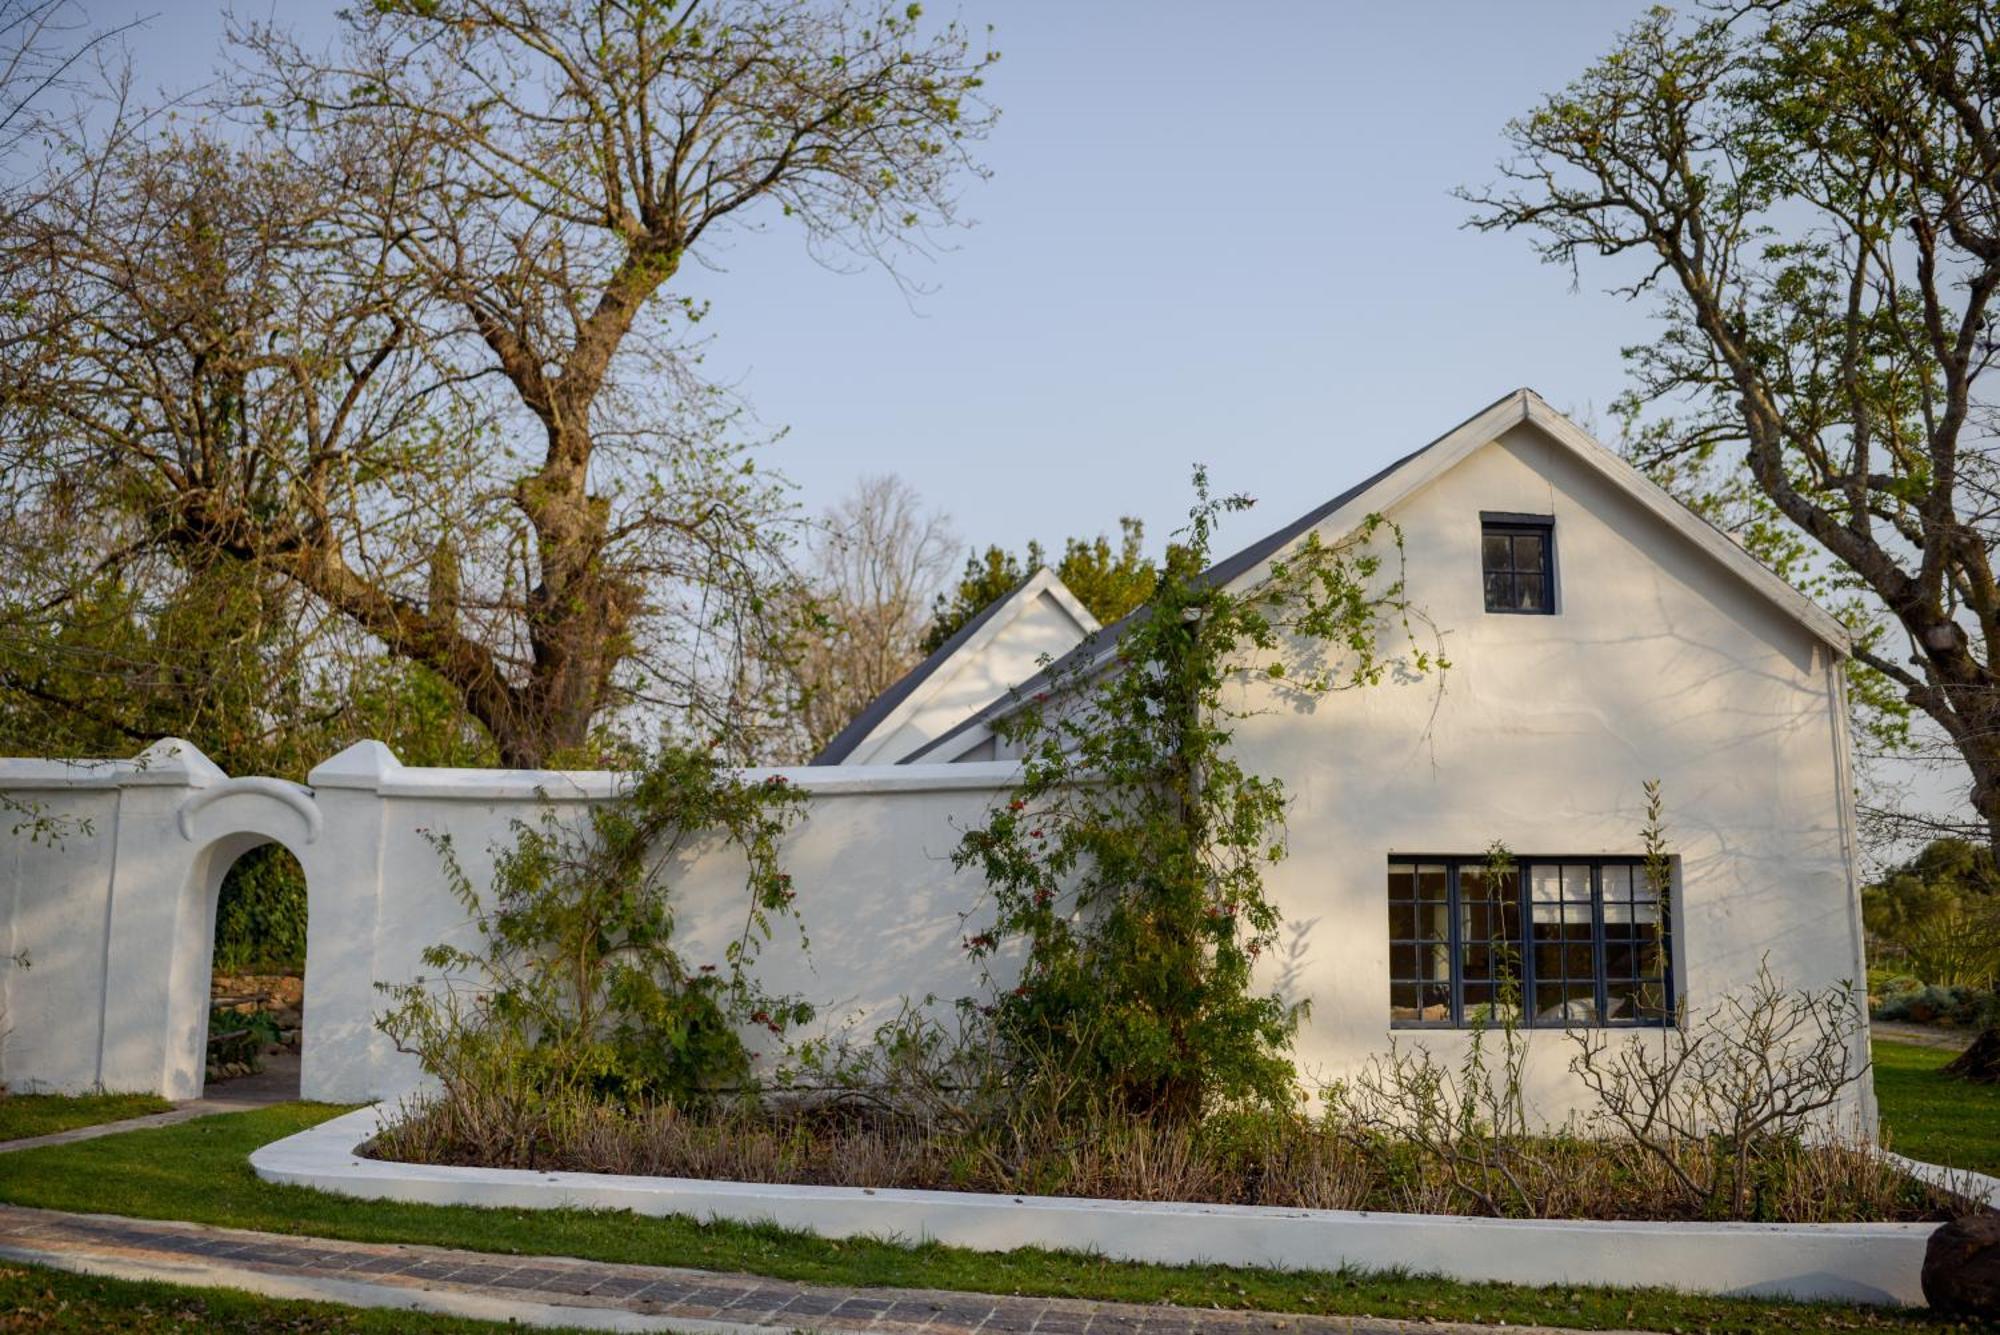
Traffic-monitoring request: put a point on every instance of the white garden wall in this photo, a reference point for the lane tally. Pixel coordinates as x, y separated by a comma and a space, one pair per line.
117, 919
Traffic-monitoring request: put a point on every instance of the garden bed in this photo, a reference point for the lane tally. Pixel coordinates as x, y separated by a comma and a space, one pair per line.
1868, 1262
1243, 1158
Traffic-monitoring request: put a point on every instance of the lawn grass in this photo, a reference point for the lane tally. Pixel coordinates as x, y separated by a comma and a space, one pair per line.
25, 1115
56, 1301
199, 1170
1935, 1117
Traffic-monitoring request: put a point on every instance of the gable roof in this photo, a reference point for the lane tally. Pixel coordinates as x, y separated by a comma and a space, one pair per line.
1406, 475
889, 710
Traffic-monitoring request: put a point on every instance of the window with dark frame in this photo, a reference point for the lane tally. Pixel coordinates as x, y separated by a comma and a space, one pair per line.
1517, 560
1550, 942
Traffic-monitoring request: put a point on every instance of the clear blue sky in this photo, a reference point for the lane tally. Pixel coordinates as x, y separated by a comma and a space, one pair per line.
1211, 233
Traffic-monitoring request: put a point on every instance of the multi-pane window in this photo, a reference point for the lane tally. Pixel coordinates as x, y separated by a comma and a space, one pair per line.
1517, 561
1551, 941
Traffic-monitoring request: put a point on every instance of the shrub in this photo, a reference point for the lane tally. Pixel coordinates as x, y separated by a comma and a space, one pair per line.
260, 915
576, 990
1939, 914
1934, 1005
1720, 1102
1243, 1156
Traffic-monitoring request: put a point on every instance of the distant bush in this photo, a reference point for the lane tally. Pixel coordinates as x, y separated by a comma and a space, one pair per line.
1937, 916
1924, 1004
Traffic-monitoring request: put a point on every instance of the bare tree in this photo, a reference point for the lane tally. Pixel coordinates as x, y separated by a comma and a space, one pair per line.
873, 564
43, 45
415, 347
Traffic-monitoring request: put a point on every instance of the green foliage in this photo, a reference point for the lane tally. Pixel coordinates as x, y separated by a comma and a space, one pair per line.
1938, 915
260, 916
217, 654
1932, 1003
25, 1115
577, 987
66, 1303
1127, 866
1110, 583
235, 1037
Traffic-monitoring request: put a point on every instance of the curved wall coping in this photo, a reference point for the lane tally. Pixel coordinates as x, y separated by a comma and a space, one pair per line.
1873, 1263
298, 798
372, 767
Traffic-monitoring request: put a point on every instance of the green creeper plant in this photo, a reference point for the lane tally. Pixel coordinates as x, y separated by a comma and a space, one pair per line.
576, 988
1126, 866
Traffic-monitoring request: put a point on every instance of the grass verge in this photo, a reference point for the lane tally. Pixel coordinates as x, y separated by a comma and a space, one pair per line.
1935, 1117
56, 1301
199, 1171
25, 1115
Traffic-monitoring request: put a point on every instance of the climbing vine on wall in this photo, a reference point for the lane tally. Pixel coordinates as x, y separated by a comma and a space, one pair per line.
1127, 865
577, 987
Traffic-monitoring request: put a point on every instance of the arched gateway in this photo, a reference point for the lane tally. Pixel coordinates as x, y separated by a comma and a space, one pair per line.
109, 895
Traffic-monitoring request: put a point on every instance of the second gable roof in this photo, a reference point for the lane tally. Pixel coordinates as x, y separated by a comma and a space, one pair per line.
1392, 484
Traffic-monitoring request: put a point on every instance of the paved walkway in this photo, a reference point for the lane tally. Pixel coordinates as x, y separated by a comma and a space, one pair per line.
544, 1290
1924, 1035
278, 1082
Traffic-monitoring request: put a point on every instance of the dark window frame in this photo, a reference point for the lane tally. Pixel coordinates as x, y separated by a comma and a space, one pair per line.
1456, 863
1500, 523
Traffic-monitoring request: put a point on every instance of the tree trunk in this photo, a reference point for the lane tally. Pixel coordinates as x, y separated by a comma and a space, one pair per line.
1981, 1061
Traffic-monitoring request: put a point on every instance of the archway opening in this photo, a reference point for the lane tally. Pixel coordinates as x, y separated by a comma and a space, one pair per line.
256, 1019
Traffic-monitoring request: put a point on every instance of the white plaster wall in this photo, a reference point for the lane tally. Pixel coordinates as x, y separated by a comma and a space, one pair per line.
58, 897
1659, 664
879, 907
118, 919
90, 907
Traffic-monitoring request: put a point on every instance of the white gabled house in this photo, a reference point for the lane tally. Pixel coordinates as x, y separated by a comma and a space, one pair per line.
1005, 644
1600, 635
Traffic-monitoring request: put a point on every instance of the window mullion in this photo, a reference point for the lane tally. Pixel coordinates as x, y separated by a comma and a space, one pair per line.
1600, 990
1457, 947
1525, 878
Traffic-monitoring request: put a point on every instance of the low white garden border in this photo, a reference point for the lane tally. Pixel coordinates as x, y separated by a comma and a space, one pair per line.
1875, 1263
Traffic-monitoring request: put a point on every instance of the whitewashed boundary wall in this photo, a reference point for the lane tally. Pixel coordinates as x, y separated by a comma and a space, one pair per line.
115, 916
114, 912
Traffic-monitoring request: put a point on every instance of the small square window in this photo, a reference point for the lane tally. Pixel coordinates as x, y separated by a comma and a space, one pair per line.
1517, 561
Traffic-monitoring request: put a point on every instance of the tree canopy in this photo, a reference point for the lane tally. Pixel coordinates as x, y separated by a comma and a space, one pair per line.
1807, 194
1109, 581
407, 344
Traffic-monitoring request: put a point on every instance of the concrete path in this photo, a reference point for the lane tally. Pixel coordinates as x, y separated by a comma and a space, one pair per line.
1923, 1035
278, 1082
556, 1291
